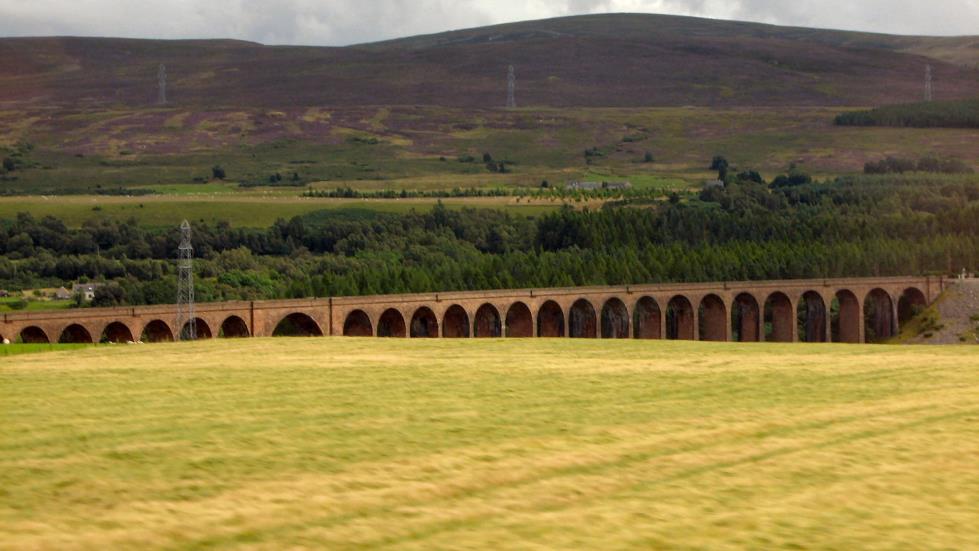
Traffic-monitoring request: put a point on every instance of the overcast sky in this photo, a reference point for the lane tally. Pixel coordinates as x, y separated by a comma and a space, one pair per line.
342, 22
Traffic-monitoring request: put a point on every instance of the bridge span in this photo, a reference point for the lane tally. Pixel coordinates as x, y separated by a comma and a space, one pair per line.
849, 310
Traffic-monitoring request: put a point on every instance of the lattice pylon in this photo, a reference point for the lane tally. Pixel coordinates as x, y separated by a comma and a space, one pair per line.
186, 325
511, 85
161, 79
928, 88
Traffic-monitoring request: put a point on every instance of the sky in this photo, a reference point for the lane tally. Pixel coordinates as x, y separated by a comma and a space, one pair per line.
343, 22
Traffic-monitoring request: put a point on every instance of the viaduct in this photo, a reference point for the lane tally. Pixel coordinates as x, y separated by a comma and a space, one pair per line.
852, 310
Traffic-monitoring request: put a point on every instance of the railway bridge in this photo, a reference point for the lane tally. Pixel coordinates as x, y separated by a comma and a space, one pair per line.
851, 310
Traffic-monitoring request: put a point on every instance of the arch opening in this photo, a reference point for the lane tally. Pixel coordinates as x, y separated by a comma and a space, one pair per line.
646, 319
201, 330
845, 317
519, 321
745, 319
582, 322
233, 327
156, 331
615, 320
878, 316
34, 335
424, 324
75, 333
712, 319
679, 319
911, 303
488, 322
550, 320
455, 323
358, 324
297, 324
779, 318
116, 332
391, 324
811, 318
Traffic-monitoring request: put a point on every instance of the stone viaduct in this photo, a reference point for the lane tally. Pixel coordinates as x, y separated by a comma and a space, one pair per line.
820, 310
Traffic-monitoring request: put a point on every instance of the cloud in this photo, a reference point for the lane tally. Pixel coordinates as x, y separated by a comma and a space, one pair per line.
340, 22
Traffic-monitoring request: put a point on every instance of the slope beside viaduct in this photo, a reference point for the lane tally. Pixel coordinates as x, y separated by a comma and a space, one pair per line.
849, 310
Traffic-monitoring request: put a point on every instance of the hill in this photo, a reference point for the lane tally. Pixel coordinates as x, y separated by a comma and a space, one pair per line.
432, 444
603, 60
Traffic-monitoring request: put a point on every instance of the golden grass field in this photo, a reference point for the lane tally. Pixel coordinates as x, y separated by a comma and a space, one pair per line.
433, 444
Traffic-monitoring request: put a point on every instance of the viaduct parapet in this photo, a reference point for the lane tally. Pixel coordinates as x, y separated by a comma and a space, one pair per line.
849, 310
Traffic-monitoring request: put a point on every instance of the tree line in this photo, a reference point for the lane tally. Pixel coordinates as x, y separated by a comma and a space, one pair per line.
747, 229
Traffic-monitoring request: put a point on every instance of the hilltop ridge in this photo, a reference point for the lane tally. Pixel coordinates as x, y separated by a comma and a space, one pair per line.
617, 60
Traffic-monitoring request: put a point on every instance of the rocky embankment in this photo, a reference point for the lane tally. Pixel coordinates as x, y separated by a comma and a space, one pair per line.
953, 319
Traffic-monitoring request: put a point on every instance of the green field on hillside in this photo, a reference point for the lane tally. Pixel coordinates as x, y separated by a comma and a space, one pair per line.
438, 148
423, 444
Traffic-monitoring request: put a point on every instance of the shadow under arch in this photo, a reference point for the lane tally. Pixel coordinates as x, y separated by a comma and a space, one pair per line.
911, 303
34, 335
116, 332
156, 331
550, 320
615, 319
455, 323
712, 319
582, 320
779, 318
75, 333
878, 316
519, 321
811, 317
297, 324
201, 329
646, 319
745, 318
358, 324
424, 324
233, 327
845, 317
488, 324
679, 319
391, 324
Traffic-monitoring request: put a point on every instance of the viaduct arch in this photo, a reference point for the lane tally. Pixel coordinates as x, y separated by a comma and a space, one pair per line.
847, 310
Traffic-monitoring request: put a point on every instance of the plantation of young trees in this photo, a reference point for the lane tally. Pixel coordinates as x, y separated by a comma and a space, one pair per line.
794, 228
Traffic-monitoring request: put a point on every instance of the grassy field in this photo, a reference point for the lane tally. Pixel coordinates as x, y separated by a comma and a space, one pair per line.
420, 148
342, 443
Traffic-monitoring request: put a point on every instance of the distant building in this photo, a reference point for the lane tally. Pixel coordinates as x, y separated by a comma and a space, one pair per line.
4, 293
710, 184
86, 290
616, 185
590, 186
576, 185
62, 294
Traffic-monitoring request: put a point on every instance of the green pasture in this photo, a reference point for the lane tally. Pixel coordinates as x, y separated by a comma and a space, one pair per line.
433, 444
33, 305
15, 349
